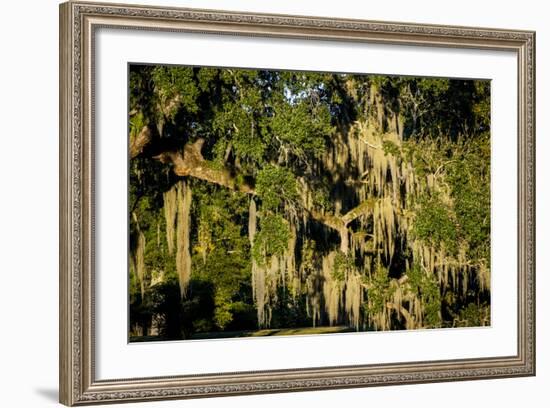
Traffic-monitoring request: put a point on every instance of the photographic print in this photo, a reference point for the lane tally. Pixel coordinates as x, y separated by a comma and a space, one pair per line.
275, 202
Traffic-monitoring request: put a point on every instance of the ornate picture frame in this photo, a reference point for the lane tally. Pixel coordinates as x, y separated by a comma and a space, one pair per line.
79, 22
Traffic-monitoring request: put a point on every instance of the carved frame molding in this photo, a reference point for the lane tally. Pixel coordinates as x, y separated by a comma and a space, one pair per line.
78, 21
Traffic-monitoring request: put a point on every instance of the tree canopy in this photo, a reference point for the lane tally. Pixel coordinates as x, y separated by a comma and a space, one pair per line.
262, 198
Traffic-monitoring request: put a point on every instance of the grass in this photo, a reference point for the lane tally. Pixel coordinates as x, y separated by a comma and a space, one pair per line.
254, 333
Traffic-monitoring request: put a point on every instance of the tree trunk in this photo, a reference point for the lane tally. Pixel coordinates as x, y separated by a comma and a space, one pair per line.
344, 239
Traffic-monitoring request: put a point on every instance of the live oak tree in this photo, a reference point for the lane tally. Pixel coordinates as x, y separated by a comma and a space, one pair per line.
266, 198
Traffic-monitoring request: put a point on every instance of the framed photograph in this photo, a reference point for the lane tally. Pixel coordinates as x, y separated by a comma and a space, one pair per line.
256, 203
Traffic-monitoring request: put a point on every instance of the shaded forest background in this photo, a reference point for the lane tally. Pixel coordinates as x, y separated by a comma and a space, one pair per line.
275, 199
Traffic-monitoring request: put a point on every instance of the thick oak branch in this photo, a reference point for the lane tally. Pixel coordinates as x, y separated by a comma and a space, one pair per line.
191, 163
139, 142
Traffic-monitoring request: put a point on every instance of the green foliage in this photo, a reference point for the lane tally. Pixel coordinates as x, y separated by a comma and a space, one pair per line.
272, 239
308, 254
207, 78
222, 313
343, 264
435, 106
481, 107
176, 81
275, 185
321, 197
379, 289
220, 213
137, 122
463, 217
435, 224
426, 288
474, 315
302, 128
469, 180
391, 148
140, 91
241, 127
433, 86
